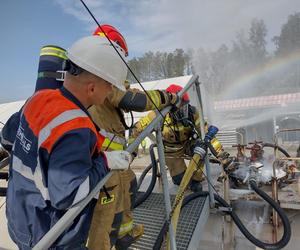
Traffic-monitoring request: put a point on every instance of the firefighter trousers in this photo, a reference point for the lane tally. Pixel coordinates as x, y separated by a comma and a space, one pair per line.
113, 217
177, 166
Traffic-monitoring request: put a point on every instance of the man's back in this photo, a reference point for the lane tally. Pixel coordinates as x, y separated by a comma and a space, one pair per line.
45, 180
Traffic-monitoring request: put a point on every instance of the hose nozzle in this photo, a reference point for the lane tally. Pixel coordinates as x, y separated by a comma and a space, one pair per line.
211, 132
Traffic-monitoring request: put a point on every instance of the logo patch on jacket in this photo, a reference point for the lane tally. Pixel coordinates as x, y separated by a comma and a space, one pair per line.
24, 142
106, 200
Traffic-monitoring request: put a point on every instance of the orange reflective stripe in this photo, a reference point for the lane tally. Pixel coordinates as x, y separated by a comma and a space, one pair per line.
54, 106
52, 102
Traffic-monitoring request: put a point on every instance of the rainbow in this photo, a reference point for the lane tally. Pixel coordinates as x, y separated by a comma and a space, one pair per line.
246, 80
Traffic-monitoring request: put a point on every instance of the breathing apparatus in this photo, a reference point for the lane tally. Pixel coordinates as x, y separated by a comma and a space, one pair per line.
50, 73
183, 114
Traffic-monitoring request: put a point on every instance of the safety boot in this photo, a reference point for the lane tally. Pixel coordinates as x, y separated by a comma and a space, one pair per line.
131, 237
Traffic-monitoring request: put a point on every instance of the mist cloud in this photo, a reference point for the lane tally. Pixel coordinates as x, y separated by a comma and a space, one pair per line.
169, 24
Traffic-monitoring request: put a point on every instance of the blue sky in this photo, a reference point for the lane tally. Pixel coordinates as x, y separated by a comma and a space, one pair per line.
27, 25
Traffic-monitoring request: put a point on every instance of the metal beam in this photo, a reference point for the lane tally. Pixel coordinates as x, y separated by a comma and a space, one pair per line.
163, 171
207, 165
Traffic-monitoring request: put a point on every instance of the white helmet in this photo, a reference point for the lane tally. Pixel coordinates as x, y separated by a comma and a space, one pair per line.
96, 55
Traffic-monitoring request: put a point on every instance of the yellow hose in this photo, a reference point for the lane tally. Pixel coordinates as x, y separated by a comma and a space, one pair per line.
192, 167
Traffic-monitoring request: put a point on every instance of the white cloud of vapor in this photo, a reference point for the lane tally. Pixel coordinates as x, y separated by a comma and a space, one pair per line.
169, 24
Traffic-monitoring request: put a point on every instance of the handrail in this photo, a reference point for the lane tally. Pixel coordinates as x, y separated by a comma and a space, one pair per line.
49, 238
4, 162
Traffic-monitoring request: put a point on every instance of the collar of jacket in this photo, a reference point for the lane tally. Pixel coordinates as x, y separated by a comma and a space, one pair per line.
66, 93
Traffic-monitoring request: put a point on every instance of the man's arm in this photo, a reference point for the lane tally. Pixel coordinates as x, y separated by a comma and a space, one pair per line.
137, 100
141, 124
72, 173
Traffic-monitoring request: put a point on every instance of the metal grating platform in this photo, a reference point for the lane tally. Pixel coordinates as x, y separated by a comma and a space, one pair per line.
152, 214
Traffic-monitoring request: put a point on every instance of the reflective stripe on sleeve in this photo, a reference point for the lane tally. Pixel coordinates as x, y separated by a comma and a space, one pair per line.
26, 172
82, 191
154, 97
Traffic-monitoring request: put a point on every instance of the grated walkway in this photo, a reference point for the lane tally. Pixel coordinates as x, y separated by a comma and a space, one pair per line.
151, 213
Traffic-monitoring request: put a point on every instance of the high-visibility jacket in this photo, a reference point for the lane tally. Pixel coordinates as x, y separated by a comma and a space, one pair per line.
56, 161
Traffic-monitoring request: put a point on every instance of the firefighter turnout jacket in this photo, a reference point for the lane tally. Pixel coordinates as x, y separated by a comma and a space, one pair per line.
107, 115
177, 140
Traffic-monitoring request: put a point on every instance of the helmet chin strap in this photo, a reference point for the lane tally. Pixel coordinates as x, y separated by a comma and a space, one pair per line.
72, 68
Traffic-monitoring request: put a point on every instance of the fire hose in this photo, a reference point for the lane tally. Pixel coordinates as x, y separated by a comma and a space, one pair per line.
271, 145
221, 202
142, 197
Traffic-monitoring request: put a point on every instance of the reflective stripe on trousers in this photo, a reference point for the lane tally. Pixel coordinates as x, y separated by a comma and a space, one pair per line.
125, 228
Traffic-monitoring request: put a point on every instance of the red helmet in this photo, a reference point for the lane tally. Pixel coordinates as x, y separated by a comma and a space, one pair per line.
113, 34
174, 88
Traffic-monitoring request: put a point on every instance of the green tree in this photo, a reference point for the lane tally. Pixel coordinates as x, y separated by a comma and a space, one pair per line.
257, 40
289, 39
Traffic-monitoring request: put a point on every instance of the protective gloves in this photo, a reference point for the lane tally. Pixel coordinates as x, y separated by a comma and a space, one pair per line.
227, 162
173, 98
118, 160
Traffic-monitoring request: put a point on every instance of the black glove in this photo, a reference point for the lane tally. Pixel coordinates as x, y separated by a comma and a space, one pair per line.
200, 148
223, 155
228, 163
173, 98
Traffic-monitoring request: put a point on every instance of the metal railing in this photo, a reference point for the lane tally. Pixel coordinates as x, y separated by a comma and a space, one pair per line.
68, 218
274, 178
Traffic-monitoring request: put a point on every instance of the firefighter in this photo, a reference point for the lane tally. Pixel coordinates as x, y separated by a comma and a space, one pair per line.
56, 159
112, 223
178, 136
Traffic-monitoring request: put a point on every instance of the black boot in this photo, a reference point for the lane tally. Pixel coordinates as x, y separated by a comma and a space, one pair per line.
195, 186
177, 178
